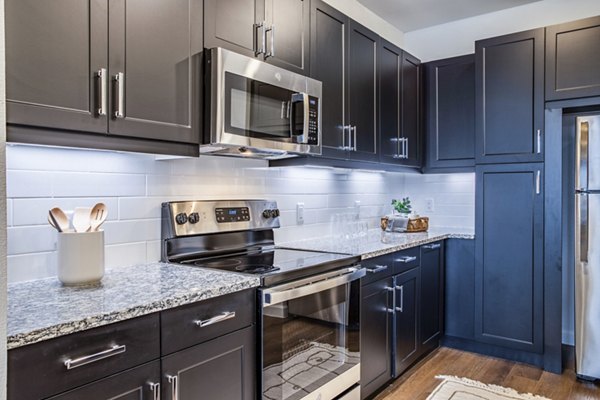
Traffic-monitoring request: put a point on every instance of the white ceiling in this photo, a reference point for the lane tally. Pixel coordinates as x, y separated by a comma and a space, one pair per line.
410, 15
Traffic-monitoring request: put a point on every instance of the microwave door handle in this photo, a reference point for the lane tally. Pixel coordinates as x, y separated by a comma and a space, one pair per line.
296, 98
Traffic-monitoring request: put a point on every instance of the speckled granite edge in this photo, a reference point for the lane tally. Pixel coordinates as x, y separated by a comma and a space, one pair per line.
398, 247
53, 330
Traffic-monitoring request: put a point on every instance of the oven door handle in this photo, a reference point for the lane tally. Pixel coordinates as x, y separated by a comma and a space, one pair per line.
305, 287
300, 98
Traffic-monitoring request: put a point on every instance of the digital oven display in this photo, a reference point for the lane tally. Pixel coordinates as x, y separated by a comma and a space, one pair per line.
232, 214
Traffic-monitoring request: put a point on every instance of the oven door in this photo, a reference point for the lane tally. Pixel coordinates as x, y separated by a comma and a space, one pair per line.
257, 105
311, 337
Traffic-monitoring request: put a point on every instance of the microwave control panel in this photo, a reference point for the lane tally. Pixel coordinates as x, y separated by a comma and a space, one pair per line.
313, 120
232, 214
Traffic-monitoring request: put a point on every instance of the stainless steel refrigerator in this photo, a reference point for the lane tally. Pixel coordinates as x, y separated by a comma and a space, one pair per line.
587, 247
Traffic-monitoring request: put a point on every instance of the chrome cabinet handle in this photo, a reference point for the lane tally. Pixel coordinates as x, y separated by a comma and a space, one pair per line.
432, 246
260, 27
216, 319
120, 81
81, 361
406, 148
354, 145
401, 289
346, 129
378, 268
539, 141
406, 259
174, 388
538, 182
271, 52
155, 388
102, 76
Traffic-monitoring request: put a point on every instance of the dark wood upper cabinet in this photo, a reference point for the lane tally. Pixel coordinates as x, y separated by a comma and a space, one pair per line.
411, 117
155, 73
390, 103
54, 51
362, 92
328, 41
509, 261
275, 31
449, 88
573, 59
509, 87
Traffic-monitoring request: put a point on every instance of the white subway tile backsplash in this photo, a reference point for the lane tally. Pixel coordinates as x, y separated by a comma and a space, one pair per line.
9, 212
134, 185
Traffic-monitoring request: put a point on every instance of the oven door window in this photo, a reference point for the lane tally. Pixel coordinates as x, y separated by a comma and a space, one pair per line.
310, 340
259, 110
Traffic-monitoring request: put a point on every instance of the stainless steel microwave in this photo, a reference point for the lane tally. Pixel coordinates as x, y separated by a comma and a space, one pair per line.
255, 109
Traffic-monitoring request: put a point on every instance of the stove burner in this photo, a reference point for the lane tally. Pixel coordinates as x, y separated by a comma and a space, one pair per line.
256, 268
223, 263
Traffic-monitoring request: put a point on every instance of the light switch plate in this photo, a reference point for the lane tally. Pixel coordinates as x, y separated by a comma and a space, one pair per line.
429, 205
300, 213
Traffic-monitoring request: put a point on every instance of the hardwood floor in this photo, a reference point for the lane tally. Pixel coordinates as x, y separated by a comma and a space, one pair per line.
420, 381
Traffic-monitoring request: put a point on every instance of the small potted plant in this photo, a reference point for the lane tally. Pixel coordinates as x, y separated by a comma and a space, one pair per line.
402, 207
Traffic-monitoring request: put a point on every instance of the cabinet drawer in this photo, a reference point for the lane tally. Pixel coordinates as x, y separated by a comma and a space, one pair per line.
196, 323
406, 259
66, 362
377, 268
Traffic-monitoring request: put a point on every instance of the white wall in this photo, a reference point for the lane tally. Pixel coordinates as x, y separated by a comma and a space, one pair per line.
458, 37
368, 18
134, 185
3, 302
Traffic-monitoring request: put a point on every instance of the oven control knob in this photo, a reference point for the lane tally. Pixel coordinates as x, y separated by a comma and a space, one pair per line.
193, 218
275, 213
267, 214
181, 218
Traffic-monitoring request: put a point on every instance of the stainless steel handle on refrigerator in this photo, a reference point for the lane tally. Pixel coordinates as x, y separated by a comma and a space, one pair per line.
582, 176
311, 285
583, 227
155, 388
120, 102
432, 246
401, 307
260, 38
174, 387
81, 361
102, 76
538, 182
271, 52
406, 259
216, 319
378, 268
539, 141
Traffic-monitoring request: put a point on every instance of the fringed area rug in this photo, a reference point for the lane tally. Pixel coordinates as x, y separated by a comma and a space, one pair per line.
455, 388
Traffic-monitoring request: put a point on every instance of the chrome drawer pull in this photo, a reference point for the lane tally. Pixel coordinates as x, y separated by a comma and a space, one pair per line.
120, 101
214, 320
174, 389
406, 259
78, 362
102, 75
401, 308
378, 268
155, 388
432, 246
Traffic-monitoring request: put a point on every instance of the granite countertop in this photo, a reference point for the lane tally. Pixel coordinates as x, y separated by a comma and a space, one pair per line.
44, 309
377, 242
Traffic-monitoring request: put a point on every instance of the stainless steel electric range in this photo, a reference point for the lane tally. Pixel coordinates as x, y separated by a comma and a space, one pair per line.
309, 301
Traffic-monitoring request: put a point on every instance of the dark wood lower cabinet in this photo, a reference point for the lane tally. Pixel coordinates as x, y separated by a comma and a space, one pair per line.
220, 369
432, 295
375, 335
139, 383
406, 340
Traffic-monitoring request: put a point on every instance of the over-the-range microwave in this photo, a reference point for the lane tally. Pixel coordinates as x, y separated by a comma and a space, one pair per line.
255, 109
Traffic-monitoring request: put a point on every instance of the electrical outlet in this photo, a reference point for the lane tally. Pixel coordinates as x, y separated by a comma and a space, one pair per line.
429, 205
300, 213
357, 209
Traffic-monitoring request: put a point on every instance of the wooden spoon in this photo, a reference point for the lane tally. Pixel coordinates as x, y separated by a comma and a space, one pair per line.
81, 219
60, 219
98, 216
51, 222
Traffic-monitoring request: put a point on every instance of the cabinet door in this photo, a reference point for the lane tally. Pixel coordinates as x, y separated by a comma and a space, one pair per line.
288, 37
509, 256
450, 112
390, 107
362, 92
157, 93
139, 383
411, 109
509, 87
573, 60
406, 341
54, 51
329, 36
221, 369
459, 288
432, 295
231, 24
375, 335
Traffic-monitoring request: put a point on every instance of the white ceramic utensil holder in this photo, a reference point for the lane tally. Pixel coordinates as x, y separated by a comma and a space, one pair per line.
80, 257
